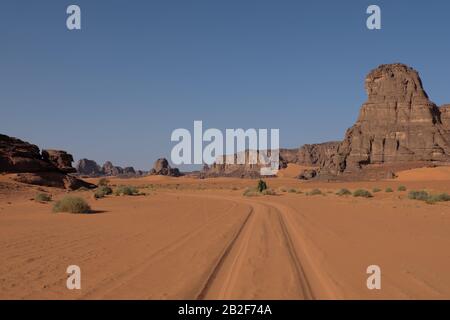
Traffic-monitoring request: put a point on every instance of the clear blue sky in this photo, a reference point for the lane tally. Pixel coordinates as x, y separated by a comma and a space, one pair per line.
139, 69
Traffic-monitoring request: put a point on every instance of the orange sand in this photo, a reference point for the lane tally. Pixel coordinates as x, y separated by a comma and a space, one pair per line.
202, 239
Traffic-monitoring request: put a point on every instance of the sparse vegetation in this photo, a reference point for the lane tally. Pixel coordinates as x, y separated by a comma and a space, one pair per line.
389, 189
314, 192
126, 191
401, 188
103, 182
343, 192
292, 190
262, 185
418, 195
72, 205
249, 192
428, 198
43, 197
362, 193
269, 192
375, 190
102, 191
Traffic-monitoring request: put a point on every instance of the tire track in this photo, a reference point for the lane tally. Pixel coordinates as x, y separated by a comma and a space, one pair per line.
211, 278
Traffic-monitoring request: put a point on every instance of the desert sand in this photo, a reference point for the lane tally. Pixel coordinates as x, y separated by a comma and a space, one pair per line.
202, 239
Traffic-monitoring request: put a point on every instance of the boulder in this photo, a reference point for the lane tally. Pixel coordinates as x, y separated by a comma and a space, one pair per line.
308, 174
162, 167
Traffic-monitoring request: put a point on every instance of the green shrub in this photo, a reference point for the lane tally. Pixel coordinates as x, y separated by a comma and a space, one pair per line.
102, 191
43, 197
126, 191
103, 182
262, 185
72, 204
292, 190
418, 195
443, 197
315, 192
343, 192
362, 193
375, 190
401, 188
388, 189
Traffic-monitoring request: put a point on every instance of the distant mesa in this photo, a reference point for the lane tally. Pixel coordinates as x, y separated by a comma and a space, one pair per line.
161, 167
51, 168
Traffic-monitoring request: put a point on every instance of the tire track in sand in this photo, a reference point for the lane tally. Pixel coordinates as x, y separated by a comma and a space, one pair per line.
235, 264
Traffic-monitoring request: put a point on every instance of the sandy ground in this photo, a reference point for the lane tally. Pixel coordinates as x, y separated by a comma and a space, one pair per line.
202, 239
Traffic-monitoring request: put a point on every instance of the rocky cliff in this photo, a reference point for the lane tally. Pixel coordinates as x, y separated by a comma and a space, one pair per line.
51, 168
397, 124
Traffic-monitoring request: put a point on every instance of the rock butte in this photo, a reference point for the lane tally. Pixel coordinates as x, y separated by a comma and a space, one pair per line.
398, 127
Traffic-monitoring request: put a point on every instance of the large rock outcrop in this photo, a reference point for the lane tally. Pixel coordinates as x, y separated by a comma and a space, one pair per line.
111, 170
161, 167
397, 124
86, 167
50, 168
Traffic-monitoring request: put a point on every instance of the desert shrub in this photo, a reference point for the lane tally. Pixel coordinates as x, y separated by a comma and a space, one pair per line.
401, 188
314, 192
283, 189
262, 185
442, 197
72, 204
362, 193
292, 190
43, 197
103, 182
102, 192
343, 192
389, 189
249, 192
375, 190
126, 191
269, 192
418, 195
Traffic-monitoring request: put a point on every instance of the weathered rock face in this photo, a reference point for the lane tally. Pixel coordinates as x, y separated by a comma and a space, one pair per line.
60, 159
161, 167
50, 168
310, 154
129, 171
251, 168
398, 123
110, 170
88, 167
20, 156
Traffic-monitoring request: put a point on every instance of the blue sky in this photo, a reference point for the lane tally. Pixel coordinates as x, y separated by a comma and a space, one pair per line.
140, 69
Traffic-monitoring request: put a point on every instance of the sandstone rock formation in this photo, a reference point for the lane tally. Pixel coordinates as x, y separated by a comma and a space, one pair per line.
88, 167
50, 168
19, 156
129, 171
110, 170
161, 167
397, 124
60, 159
